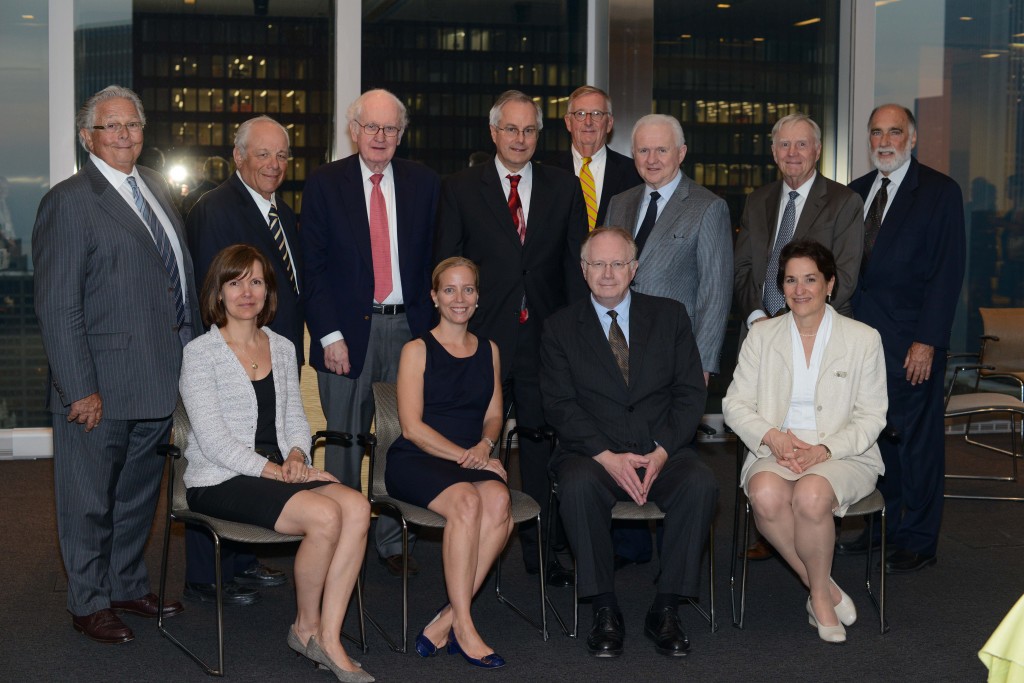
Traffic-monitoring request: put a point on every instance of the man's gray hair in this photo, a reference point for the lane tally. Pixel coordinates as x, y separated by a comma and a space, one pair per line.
585, 90
242, 134
911, 121
86, 117
796, 118
514, 96
355, 110
662, 119
609, 230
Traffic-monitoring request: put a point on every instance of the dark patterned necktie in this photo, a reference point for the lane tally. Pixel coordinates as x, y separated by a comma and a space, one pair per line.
163, 245
515, 207
277, 232
619, 347
650, 218
874, 221
773, 299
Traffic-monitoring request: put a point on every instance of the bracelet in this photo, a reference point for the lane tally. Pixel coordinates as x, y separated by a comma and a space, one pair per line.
490, 443
828, 453
305, 458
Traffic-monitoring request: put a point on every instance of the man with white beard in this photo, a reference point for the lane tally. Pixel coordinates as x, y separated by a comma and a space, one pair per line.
911, 274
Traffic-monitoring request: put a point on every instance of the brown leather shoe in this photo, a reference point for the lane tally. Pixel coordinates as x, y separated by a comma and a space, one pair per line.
103, 626
759, 550
146, 606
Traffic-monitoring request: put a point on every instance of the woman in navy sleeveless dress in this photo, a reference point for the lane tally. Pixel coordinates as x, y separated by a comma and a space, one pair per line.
449, 406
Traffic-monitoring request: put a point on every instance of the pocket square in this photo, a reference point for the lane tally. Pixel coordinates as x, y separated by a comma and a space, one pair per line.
840, 373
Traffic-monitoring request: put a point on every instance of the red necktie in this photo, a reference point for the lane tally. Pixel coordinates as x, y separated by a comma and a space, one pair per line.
515, 207
380, 241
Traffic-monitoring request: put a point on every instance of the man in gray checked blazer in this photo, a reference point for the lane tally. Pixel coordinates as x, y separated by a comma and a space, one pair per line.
685, 243
115, 297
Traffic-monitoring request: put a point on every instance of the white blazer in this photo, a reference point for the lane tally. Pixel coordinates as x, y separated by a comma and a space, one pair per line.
850, 395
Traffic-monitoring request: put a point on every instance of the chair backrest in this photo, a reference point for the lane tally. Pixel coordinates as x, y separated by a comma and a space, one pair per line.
385, 398
1007, 354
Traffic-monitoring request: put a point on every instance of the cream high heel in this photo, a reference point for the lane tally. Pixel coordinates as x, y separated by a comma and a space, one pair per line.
845, 610
830, 634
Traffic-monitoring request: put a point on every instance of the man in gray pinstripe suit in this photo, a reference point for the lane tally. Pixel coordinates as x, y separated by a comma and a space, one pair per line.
685, 243
115, 297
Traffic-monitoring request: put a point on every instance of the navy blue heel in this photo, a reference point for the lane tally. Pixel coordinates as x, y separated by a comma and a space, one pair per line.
491, 661
424, 646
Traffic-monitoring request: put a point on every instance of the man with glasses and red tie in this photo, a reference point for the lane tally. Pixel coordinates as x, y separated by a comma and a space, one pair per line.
115, 298
522, 224
367, 239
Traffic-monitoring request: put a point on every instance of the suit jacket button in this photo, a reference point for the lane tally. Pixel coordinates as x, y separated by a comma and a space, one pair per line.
366, 317
629, 409
819, 409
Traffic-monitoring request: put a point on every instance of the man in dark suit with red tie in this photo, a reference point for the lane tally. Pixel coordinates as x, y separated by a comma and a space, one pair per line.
912, 271
246, 209
367, 234
602, 171
522, 223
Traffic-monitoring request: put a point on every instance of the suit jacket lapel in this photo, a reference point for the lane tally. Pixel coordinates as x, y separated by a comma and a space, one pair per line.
896, 216
669, 215
816, 200
640, 326
111, 201
835, 359
254, 217
355, 197
493, 195
595, 337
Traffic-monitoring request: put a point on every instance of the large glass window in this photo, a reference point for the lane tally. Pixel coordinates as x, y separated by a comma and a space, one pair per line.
728, 71
960, 64
24, 179
449, 60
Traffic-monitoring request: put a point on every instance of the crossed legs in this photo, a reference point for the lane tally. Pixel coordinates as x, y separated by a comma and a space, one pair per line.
796, 518
478, 524
334, 520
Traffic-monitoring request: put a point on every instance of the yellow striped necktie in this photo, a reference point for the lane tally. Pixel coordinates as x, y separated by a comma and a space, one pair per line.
589, 192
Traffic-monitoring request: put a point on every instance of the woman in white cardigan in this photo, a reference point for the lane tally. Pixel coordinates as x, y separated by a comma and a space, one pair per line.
247, 451
808, 399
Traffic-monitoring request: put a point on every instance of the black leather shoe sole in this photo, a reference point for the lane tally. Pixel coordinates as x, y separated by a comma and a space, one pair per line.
604, 652
908, 564
858, 546
238, 595
261, 580
559, 577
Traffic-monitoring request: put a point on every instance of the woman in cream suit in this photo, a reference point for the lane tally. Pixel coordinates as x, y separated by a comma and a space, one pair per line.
808, 399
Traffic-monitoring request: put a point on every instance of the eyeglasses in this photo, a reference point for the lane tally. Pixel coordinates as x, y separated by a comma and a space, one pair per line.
513, 132
581, 116
115, 128
372, 128
617, 266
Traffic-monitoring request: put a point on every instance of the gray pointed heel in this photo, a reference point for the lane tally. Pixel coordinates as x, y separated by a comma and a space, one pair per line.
316, 653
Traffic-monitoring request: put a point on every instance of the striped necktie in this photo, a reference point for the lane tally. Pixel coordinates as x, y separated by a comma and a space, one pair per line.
277, 232
163, 245
619, 347
773, 299
589, 192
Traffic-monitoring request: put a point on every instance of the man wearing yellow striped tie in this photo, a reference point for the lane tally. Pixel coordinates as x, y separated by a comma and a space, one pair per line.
603, 172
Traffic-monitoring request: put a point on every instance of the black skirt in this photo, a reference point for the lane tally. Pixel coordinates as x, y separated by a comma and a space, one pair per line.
249, 500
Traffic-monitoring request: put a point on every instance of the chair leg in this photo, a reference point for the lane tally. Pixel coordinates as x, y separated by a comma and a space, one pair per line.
544, 563
361, 616
738, 623
879, 603
709, 615
543, 626
405, 600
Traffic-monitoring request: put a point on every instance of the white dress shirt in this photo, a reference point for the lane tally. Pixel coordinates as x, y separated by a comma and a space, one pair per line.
895, 180
264, 207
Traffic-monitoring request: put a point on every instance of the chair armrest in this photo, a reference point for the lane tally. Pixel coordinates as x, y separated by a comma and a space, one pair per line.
957, 367
168, 450
989, 337
367, 440
706, 430
331, 436
964, 354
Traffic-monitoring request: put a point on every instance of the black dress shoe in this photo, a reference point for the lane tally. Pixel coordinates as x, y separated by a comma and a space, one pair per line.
857, 546
605, 639
558, 576
103, 626
906, 562
233, 593
662, 626
394, 565
260, 575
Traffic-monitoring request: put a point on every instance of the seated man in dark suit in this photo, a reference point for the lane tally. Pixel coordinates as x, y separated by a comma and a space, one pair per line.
625, 399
